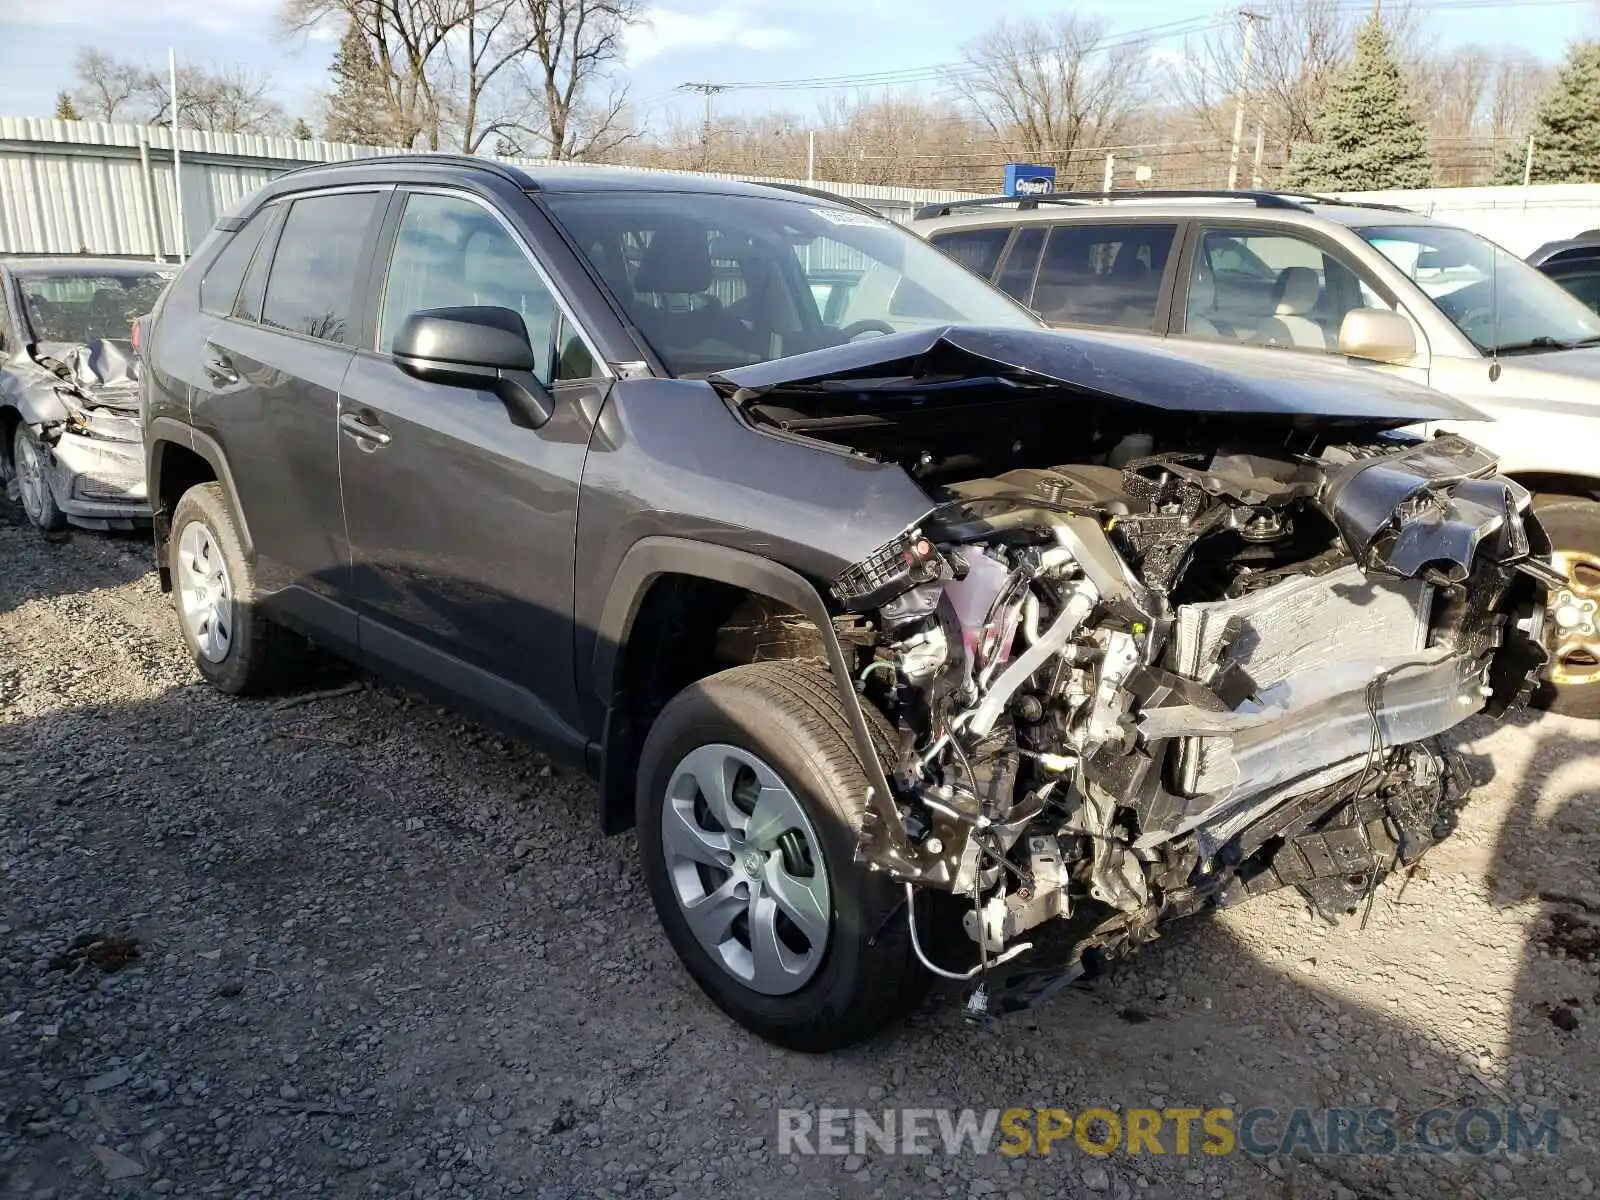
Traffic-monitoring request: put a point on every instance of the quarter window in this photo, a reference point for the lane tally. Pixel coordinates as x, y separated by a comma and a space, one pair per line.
978, 250
312, 286
220, 287
449, 253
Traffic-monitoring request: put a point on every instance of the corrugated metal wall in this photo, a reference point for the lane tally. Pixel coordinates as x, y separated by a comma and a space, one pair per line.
70, 187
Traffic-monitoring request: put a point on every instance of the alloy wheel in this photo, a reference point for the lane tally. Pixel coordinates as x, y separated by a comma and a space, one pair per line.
1575, 613
32, 486
746, 868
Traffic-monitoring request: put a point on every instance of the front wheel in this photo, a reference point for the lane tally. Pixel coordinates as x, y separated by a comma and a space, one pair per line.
1572, 683
30, 464
750, 796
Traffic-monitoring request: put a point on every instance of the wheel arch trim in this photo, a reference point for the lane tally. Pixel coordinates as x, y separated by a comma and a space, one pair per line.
167, 431
651, 558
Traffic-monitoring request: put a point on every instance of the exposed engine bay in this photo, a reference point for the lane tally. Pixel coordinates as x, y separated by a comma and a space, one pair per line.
1198, 661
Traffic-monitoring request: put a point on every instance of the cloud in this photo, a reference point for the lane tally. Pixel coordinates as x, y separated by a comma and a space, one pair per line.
666, 31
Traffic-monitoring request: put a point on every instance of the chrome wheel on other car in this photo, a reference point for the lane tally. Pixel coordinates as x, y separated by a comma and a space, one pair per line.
746, 868
1575, 613
205, 594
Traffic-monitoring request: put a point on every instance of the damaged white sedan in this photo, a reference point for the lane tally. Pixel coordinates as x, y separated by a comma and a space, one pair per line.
1175, 631
70, 446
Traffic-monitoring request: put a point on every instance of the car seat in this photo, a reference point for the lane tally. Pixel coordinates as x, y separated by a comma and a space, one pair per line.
677, 262
1294, 296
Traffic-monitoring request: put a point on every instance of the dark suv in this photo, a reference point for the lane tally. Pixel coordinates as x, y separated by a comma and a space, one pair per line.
848, 580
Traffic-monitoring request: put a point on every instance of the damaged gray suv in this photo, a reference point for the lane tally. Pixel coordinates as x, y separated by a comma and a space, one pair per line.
899, 626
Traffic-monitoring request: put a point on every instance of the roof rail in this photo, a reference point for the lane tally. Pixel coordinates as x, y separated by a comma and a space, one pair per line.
817, 193
1260, 199
510, 174
1316, 198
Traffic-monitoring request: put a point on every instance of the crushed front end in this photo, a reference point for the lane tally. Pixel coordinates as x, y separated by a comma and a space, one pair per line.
1128, 692
82, 403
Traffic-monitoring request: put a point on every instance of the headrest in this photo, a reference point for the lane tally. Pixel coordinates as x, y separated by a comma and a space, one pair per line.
676, 262
1296, 292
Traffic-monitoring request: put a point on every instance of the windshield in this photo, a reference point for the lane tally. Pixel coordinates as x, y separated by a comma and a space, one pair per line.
721, 281
79, 306
1493, 297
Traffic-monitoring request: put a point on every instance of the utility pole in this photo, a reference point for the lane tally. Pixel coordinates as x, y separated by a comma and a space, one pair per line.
177, 158
707, 90
1250, 19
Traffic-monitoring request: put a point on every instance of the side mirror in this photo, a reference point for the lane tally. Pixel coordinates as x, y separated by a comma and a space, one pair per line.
476, 347
1377, 335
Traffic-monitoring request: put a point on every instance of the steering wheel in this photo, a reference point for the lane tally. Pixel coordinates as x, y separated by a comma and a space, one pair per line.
856, 328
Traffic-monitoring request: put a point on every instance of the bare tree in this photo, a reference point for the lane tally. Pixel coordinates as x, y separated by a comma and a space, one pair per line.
1520, 80
571, 47
409, 42
227, 99
1047, 88
108, 88
224, 99
1299, 47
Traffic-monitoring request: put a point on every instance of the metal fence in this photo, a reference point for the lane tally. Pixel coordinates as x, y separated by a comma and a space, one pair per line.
84, 187
72, 187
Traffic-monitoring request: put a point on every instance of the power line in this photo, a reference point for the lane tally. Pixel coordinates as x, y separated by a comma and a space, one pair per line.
937, 72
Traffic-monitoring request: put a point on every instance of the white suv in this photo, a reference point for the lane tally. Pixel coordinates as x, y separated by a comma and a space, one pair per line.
1378, 285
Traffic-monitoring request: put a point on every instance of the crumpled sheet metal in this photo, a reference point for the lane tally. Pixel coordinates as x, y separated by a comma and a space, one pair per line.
1437, 505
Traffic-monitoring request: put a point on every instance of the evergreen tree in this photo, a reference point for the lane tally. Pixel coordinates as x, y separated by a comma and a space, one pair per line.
66, 110
301, 132
358, 107
1566, 127
1368, 137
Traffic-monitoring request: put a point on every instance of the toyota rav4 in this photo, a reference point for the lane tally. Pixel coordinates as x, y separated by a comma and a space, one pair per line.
897, 624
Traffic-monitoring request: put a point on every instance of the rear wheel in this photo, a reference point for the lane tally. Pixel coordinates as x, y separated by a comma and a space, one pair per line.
1573, 681
235, 647
750, 795
30, 463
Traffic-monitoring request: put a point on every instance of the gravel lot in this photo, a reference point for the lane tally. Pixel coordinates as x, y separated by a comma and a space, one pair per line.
382, 952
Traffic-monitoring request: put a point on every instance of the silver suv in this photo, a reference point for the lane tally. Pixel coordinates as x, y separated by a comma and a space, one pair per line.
1374, 284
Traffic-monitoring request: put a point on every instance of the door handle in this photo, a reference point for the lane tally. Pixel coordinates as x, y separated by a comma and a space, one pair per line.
220, 369
363, 430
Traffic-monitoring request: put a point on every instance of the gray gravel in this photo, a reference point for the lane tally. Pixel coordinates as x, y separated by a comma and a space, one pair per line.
383, 952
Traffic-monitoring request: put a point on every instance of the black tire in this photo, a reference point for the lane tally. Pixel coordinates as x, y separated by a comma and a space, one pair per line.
788, 714
44, 513
1574, 528
261, 656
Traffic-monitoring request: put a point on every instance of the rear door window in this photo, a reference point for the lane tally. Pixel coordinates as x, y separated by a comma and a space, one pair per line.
1107, 275
311, 289
978, 250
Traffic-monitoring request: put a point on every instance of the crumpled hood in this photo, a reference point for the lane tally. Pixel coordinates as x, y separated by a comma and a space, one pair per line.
1191, 377
102, 368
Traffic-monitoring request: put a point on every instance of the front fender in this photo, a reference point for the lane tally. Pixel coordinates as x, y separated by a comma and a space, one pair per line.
651, 558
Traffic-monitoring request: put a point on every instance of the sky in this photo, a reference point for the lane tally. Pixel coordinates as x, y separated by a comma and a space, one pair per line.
716, 41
